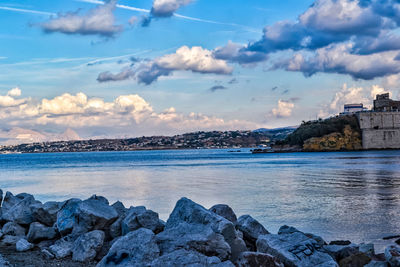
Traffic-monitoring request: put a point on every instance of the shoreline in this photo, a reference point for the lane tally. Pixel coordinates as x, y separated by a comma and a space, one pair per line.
93, 232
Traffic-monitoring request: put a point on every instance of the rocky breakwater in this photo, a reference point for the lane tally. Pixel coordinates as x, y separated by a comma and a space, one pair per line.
92, 232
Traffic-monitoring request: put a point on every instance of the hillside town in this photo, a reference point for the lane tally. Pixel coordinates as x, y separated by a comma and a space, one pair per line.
197, 140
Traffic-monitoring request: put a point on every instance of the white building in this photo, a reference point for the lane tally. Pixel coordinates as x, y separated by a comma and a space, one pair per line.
353, 108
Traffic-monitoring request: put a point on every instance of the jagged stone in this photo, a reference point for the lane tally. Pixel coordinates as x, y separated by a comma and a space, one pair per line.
23, 245
356, 260
46, 213
251, 230
320, 240
194, 237
66, 216
339, 252
62, 248
10, 240
87, 246
183, 257
20, 212
137, 217
38, 232
115, 228
224, 211
119, 207
190, 212
294, 249
392, 255
9, 201
12, 228
47, 254
137, 248
250, 259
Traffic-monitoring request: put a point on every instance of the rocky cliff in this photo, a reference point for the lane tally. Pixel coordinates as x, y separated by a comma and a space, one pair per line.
348, 139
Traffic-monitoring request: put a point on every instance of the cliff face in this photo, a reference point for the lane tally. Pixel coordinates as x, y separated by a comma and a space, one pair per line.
349, 139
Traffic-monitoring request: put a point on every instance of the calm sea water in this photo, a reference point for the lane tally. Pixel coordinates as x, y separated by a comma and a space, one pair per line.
354, 195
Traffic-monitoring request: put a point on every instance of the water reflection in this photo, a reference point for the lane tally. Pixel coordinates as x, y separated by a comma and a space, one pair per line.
336, 195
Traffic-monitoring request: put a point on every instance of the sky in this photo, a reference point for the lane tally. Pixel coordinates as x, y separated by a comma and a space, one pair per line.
129, 68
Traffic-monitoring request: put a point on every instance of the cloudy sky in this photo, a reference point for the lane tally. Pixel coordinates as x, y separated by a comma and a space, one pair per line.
143, 67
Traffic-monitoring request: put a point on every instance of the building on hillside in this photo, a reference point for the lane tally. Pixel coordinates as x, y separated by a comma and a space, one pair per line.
353, 108
384, 103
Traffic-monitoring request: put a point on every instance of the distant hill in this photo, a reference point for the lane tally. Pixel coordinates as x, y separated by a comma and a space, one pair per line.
277, 133
19, 135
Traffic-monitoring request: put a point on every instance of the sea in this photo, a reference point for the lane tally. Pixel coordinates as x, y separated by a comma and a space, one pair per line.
338, 195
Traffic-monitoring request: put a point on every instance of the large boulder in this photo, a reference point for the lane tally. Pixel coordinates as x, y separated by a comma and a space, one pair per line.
194, 237
224, 211
119, 207
87, 246
339, 252
251, 230
62, 248
295, 249
46, 213
12, 228
137, 248
20, 212
392, 255
23, 245
183, 257
137, 217
67, 216
9, 201
192, 213
38, 232
250, 259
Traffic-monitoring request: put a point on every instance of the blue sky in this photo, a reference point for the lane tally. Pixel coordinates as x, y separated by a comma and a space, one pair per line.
94, 67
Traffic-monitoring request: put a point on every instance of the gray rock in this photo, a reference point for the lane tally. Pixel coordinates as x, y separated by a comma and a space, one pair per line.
285, 229
10, 240
194, 237
339, 252
355, 260
94, 214
47, 254
38, 232
251, 230
20, 213
224, 211
67, 216
250, 259
137, 248
183, 258
12, 228
99, 198
115, 228
295, 249
392, 255
137, 217
319, 239
87, 246
46, 213
190, 212
9, 201
23, 245
368, 249
119, 207
24, 195
62, 248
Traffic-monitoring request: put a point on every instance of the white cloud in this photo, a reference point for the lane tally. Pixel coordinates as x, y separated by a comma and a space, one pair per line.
100, 21
284, 109
14, 92
126, 115
166, 8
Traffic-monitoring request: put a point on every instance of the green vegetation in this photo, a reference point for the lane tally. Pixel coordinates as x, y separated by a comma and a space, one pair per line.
320, 128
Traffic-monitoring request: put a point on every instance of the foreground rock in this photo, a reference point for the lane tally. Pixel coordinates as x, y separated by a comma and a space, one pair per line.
138, 248
295, 249
86, 232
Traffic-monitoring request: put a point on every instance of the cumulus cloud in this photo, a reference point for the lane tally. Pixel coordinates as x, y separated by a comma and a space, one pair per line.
195, 59
98, 21
166, 8
283, 110
125, 115
351, 95
338, 59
